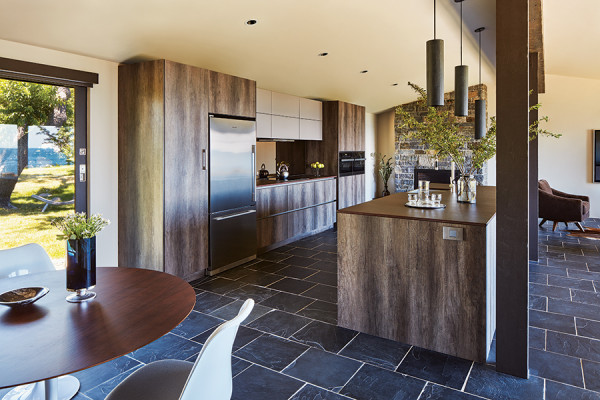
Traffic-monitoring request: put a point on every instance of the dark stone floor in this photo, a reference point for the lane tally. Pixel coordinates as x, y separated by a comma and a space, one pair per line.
290, 346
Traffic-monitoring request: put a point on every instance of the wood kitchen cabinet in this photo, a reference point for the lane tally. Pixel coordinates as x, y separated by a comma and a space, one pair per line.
163, 180
292, 210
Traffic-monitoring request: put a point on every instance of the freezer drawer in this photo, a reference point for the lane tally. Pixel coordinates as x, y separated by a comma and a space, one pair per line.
232, 238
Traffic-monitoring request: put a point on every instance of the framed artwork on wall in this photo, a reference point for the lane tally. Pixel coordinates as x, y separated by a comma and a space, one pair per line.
596, 158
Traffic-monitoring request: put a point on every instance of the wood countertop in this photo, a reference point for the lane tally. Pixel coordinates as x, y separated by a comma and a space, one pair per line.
262, 183
480, 213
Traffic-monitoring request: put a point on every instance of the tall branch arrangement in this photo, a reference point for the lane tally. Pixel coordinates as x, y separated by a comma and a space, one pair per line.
439, 129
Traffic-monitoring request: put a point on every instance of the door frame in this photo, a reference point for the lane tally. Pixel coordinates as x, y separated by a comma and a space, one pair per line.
80, 81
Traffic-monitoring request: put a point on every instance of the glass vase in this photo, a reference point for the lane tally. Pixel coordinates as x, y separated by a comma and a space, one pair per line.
81, 269
467, 189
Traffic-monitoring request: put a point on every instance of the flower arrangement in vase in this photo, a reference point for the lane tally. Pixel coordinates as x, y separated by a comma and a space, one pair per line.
385, 169
317, 166
80, 233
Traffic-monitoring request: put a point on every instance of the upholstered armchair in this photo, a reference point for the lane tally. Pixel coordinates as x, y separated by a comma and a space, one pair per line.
557, 206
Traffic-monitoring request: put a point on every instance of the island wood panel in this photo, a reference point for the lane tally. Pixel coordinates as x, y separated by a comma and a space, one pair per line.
186, 194
351, 190
231, 95
140, 153
403, 282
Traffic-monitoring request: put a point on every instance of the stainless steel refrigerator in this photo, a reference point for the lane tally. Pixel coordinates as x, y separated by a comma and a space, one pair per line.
232, 187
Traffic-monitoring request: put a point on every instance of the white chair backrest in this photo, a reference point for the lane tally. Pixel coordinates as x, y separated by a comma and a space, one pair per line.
23, 260
210, 378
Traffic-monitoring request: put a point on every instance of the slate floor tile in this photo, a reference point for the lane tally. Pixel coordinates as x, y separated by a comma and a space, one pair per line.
436, 392
260, 278
310, 392
588, 328
271, 352
169, 346
535, 277
235, 273
579, 274
570, 283
381, 384
435, 367
267, 266
297, 272
574, 309
555, 322
560, 391
591, 371
232, 309
257, 293
554, 366
555, 292
325, 256
196, 323
274, 256
220, 285
323, 277
279, 323
244, 336
330, 248
537, 303
308, 243
321, 311
298, 251
207, 302
322, 292
375, 350
568, 264
484, 381
325, 266
537, 338
92, 377
324, 336
287, 302
101, 391
258, 383
300, 261
583, 296
292, 285
575, 346
543, 269
323, 369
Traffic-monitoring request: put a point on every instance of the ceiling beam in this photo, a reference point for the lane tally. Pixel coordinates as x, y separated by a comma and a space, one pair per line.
536, 40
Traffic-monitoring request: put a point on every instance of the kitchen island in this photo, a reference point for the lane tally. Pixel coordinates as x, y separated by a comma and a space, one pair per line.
422, 277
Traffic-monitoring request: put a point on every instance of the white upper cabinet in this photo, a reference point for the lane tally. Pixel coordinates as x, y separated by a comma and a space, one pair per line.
263, 125
263, 101
311, 129
311, 109
285, 127
285, 104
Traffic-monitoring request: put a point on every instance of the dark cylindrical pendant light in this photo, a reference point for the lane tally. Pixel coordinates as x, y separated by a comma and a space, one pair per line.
480, 106
461, 77
435, 68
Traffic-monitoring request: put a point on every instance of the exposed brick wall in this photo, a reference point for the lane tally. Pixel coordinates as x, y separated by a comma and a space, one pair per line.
411, 154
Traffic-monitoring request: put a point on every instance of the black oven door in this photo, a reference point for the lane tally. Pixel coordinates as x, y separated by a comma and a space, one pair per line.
345, 163
358, 165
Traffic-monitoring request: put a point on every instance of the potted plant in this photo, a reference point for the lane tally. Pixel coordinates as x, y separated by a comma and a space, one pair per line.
80, 233
385, 169
439, 130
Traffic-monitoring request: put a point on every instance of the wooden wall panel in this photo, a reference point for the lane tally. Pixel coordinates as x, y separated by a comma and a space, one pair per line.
186, 194
326, 151
231, 95
419, 289
141, 127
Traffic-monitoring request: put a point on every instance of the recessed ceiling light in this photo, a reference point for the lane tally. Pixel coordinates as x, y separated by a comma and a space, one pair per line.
364, 71
323, 54
251, 22
394, 84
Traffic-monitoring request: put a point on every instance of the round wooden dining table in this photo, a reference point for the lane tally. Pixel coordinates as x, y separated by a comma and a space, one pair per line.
52, 337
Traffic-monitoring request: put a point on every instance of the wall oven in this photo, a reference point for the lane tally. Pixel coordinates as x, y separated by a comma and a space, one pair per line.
351, 163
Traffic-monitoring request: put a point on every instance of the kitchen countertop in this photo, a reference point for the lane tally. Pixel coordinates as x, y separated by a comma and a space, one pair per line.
262, 183
393, 206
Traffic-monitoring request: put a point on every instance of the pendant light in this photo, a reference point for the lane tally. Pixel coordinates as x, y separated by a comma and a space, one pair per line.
480, 130
435, 67
461, 77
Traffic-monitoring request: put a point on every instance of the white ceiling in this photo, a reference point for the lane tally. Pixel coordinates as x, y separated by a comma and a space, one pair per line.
571, 38
280, 52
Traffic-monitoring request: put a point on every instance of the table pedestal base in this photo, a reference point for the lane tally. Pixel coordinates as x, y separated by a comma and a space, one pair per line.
61, 388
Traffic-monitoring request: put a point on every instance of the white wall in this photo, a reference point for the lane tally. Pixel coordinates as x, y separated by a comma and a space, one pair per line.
385, 145
370, 128
574, 110
103, 109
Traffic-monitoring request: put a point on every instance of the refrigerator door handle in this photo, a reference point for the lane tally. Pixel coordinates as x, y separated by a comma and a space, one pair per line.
204, 159
253, 173
235, 215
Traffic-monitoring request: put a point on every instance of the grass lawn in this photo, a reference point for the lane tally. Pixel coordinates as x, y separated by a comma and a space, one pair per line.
27, 223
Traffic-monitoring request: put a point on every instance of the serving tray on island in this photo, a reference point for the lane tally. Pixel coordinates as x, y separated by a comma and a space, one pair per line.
425, 206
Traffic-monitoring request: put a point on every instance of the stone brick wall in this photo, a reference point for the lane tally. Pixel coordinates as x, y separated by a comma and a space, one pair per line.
411, 154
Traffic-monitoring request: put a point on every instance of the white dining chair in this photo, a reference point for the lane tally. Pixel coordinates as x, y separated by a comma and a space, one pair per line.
209, 378
27, 259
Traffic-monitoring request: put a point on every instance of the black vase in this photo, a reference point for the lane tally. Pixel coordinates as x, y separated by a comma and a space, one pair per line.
81, 268
385, 192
